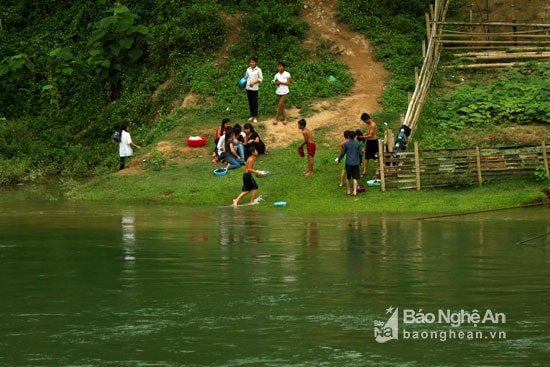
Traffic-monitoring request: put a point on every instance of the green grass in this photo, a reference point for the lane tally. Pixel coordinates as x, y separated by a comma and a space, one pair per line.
192, 183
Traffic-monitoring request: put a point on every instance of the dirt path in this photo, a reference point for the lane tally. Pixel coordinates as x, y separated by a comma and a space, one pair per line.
369, 77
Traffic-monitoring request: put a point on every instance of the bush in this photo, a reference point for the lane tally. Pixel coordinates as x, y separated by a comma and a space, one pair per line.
155, 161
517, 96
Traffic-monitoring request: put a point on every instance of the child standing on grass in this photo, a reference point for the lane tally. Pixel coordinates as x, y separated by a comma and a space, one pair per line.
310, 144
353, 152
254, 78
371, 148
282, 81
249, 184
125, 145
343, 174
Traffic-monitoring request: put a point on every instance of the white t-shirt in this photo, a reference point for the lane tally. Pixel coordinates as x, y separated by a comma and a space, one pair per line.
253, 75
282, 89
124, 147
221, 145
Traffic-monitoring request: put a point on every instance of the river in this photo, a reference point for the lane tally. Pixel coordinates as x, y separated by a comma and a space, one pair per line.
111, 285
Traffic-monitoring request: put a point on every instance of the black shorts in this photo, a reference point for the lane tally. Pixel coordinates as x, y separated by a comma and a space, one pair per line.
248, 183
352, 171
371, 149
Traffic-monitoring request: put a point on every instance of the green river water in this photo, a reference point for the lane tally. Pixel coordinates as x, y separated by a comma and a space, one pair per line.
101, 285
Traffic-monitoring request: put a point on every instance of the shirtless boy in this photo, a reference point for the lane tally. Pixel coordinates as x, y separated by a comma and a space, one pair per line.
309, 143
371, 149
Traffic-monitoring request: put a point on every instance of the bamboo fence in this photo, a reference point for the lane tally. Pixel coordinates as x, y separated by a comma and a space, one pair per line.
460, 167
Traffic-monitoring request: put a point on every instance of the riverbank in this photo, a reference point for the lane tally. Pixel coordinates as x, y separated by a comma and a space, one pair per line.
192, 183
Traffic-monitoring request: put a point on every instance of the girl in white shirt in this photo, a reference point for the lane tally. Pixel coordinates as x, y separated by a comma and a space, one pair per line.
254, 78
125, 145
282, 81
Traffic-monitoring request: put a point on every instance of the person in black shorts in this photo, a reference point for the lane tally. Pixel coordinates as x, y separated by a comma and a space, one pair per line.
352, 150
371, 149
249, 184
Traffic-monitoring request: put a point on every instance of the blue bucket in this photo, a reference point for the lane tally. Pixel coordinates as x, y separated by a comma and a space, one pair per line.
220, 171
242, 83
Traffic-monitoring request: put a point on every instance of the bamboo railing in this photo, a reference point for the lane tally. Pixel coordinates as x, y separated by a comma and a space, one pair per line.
418, 169
434, 29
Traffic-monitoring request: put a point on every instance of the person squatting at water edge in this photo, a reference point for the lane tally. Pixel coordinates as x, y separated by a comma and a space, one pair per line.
125, 145
309, 143
371, 148
249, 184
354, 155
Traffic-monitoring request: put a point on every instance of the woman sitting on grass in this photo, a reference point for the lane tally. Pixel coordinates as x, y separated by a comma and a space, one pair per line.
252, 136
230, 155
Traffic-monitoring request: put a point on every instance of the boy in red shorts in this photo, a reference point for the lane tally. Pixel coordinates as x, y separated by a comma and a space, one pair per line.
310, 144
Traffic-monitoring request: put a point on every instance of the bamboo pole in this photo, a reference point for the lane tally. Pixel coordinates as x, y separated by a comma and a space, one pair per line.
545, 159
529, 34
491, 42
417, 165
427, 19
423, 49
491, 65
429, 67
505, 24
471, 16
382, 166
500, 53
478, 166
389, 139
505, 58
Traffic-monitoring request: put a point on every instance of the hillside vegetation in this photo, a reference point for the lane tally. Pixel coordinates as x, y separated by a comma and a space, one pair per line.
71, 73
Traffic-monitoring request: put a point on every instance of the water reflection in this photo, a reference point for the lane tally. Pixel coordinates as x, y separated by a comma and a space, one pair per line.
225, 287
128, 236
236, 226
311, 234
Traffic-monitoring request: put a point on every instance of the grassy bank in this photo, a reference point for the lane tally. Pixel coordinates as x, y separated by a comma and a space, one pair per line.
187, 179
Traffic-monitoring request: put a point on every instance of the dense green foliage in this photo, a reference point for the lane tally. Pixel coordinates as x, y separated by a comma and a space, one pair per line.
519, 96
488, 103
71, 73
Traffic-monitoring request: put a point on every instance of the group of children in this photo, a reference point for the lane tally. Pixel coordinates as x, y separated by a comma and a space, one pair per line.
241, 148
349, 148
238, 147
231, 142
353, 151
